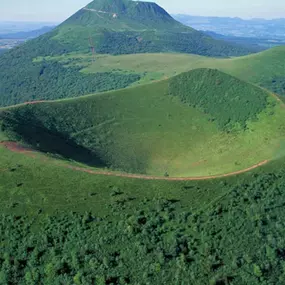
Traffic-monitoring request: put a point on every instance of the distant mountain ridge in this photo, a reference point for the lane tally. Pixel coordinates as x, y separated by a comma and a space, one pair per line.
253, 28
9, 27
27, 34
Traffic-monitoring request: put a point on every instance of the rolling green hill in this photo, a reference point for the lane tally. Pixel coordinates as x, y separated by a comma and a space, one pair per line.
265, 69
112, 27
199, 123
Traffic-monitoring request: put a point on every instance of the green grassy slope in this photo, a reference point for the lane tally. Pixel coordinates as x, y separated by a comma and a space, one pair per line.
149, 130
265, 68
62, 226
46, 183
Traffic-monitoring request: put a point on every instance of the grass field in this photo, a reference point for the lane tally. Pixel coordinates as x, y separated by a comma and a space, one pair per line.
264, 68
29, 184
41, 182
56, 223
146, 130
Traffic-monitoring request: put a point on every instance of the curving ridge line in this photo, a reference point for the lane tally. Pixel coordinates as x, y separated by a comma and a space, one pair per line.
14, 147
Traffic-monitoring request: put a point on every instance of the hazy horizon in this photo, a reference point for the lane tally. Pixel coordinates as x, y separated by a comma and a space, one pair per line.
57, 11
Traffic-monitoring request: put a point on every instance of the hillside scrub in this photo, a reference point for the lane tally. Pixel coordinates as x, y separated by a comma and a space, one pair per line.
227, 100
237, 239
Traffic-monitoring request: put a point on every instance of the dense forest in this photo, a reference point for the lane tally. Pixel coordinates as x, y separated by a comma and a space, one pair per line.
23, 80
227, 100
154, 41
236, 240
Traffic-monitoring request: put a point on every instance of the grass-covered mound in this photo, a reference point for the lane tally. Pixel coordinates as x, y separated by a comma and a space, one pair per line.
148, 130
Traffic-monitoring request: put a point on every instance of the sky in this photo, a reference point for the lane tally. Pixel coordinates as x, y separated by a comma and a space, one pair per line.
59, 10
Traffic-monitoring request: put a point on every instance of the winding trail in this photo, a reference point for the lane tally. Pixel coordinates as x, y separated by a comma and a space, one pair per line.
15, 147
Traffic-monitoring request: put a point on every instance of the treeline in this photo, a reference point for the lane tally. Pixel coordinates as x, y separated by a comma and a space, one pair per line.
228, 101
162, 41
237, 240
50, 80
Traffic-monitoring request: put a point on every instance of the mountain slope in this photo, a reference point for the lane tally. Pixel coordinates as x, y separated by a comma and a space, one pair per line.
125, 26
136, 129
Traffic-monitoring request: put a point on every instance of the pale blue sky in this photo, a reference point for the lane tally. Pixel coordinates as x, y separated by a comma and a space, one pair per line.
58, 10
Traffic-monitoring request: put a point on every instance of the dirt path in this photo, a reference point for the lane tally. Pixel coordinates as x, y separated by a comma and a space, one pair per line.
145, 177
34, 102
14, 147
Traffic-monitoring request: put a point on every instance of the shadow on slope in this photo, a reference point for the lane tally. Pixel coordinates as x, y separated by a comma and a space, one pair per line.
32, 131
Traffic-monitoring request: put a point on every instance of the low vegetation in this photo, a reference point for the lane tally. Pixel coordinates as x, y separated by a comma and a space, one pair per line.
2, 50
61, 226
